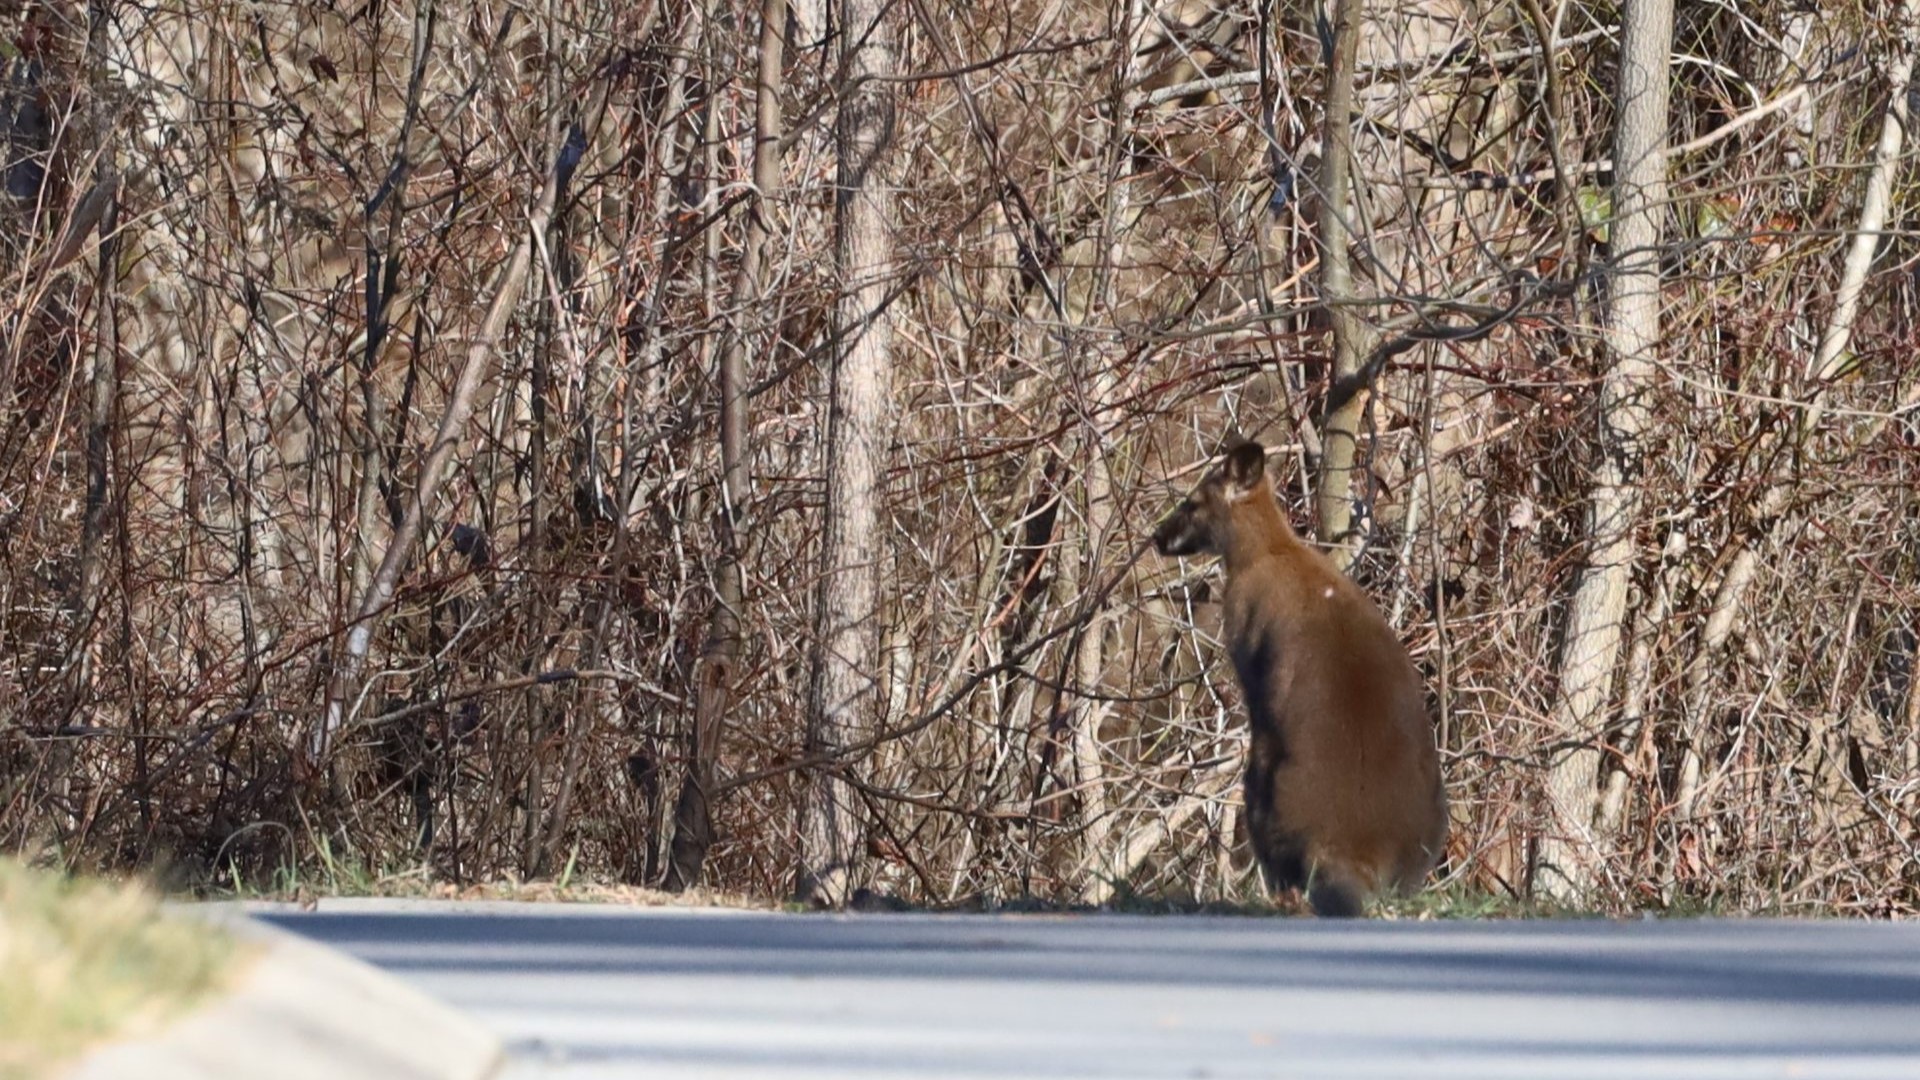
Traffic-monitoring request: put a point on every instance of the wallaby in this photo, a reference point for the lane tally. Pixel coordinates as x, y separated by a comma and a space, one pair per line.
1343, 786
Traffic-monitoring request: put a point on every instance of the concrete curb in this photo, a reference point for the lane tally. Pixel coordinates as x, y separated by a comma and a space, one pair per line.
301, 1011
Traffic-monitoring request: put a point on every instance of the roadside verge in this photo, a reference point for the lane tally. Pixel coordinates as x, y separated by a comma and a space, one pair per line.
302, 1011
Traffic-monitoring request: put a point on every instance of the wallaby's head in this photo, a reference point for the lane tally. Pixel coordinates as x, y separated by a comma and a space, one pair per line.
1202, 523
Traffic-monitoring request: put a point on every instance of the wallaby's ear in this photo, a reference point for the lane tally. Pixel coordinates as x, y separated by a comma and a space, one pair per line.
1246, 464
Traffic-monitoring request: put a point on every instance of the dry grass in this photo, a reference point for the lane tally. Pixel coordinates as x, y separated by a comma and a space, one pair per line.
417, 886
83, 961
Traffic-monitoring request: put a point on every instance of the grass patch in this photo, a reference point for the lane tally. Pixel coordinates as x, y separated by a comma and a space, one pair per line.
346, 880
83, 961
1457, 901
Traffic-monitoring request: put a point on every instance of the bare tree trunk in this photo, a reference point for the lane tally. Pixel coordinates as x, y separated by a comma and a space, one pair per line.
1832, 356
693, 814
104, 380
1089, 664
96, 526
1829, 360
844, 695
1647, 626
1590, 651
642, 397
1096, 386
373, 602
1350, 332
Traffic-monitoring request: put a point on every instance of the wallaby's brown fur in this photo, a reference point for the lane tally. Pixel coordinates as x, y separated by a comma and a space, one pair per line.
1343, 785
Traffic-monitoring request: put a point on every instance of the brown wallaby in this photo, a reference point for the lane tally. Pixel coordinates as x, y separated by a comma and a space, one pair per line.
1343, 785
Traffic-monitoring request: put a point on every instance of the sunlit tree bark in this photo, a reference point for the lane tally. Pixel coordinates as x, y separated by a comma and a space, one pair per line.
845, 688
1596, 619
1351, 338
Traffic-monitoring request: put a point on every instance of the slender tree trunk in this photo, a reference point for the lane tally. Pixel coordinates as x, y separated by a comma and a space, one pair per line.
693, 814
372, 604
104, 381
1089, 665
1096, 385
1351, 336
1649, 621
1769, 509
97, 528
1832, 356
844, 695
639, 418
1590, 652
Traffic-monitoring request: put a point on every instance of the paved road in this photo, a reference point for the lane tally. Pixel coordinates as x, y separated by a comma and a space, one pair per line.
587, 992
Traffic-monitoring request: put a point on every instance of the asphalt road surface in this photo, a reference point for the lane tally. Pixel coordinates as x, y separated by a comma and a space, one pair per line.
590, 992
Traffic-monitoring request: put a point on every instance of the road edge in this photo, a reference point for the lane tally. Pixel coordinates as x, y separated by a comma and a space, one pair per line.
302, 1011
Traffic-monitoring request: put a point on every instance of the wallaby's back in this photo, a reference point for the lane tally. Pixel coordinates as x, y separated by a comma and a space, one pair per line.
1343, 789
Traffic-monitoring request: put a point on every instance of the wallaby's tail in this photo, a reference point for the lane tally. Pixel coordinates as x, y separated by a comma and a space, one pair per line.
1335, 893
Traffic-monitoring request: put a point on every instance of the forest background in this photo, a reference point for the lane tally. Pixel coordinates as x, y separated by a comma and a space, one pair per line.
682, 442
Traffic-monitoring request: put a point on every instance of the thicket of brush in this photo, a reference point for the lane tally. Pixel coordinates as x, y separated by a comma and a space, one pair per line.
213, 427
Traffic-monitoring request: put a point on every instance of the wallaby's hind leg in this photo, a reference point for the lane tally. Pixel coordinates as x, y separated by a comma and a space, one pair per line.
1284, 866
1333, 896
1333, 893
